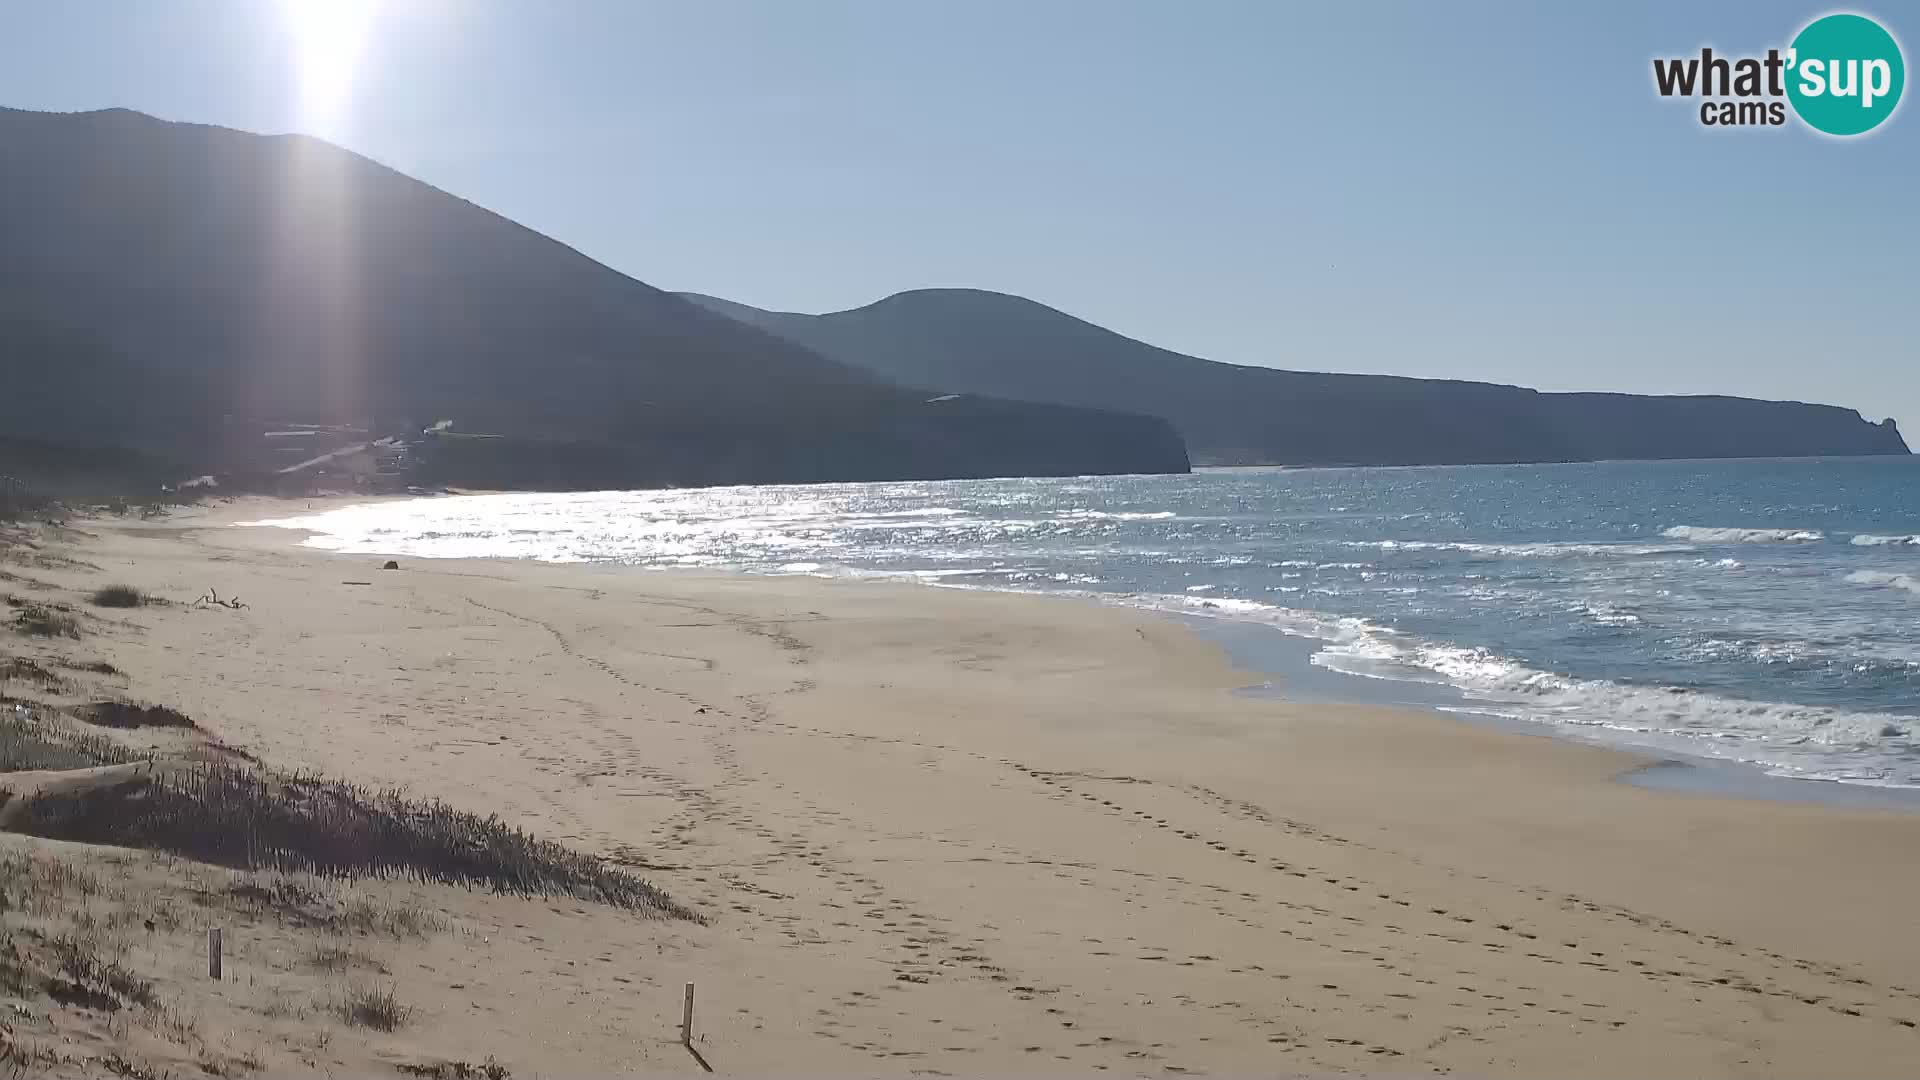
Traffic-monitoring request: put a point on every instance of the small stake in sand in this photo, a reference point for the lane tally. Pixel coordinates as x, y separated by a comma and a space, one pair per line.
686, 1019
686, 1031
213, 953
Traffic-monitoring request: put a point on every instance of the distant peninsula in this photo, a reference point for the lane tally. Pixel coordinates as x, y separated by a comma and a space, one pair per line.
972, 341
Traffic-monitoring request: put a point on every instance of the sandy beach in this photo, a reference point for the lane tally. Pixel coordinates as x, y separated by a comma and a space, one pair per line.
941, 832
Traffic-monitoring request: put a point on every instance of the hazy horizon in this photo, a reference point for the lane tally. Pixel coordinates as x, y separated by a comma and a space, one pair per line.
1487, 195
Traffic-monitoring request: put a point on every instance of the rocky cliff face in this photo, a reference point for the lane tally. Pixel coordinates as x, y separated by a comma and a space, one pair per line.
162, 284
989, 343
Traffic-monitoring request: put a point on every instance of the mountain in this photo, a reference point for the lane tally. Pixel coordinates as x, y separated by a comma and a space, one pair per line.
178, 288
977, 342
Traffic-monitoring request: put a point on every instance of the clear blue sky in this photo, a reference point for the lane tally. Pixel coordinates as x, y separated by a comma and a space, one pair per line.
1472, 190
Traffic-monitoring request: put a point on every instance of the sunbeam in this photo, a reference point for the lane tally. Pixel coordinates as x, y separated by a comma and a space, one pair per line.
329, 36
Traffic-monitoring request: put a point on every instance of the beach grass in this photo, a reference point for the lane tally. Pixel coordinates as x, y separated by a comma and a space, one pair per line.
27, 670
34, 739
457, 1070
372, 1007
36, 619
127, 714
119, 596
252, 819
90, 976
341, 957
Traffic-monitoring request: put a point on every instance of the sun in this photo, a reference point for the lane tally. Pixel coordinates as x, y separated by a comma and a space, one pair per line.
328, 36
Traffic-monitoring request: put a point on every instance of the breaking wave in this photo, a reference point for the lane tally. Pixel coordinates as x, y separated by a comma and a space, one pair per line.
1701, 534
1108, 515
1523, 551
1869, 540
1885, 580
1807, 741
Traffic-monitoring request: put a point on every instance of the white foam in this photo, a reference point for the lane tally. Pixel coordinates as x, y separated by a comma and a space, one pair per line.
1118, 515
1549, 550
1665, 713
925, 511
1789, 739
1870, 540
1608, 615
1292, 621
1885, 580
1702, 534
927, 575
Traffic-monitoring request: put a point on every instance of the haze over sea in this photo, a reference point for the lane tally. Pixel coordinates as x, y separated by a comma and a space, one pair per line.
1765, 612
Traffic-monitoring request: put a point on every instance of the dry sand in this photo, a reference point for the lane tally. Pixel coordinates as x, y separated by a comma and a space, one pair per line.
951, 833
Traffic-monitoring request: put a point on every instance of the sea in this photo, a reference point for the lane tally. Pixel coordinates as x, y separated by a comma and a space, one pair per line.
1759, 614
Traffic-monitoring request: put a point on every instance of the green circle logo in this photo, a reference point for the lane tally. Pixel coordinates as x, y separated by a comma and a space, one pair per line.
1845, 74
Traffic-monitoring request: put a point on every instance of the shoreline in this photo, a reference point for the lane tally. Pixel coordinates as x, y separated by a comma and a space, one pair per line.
1266, 653
968, 831
1289, 661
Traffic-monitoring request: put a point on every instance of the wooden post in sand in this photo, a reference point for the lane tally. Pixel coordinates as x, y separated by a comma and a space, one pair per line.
686, 1031
213, 953
686, 1020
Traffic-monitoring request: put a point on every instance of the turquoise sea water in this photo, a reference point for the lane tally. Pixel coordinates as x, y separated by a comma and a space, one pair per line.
1757, 611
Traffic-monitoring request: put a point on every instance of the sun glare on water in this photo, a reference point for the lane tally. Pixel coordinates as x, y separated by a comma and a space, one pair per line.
328, 37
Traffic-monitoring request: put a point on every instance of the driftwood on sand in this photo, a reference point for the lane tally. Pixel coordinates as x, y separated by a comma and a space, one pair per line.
212, 599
